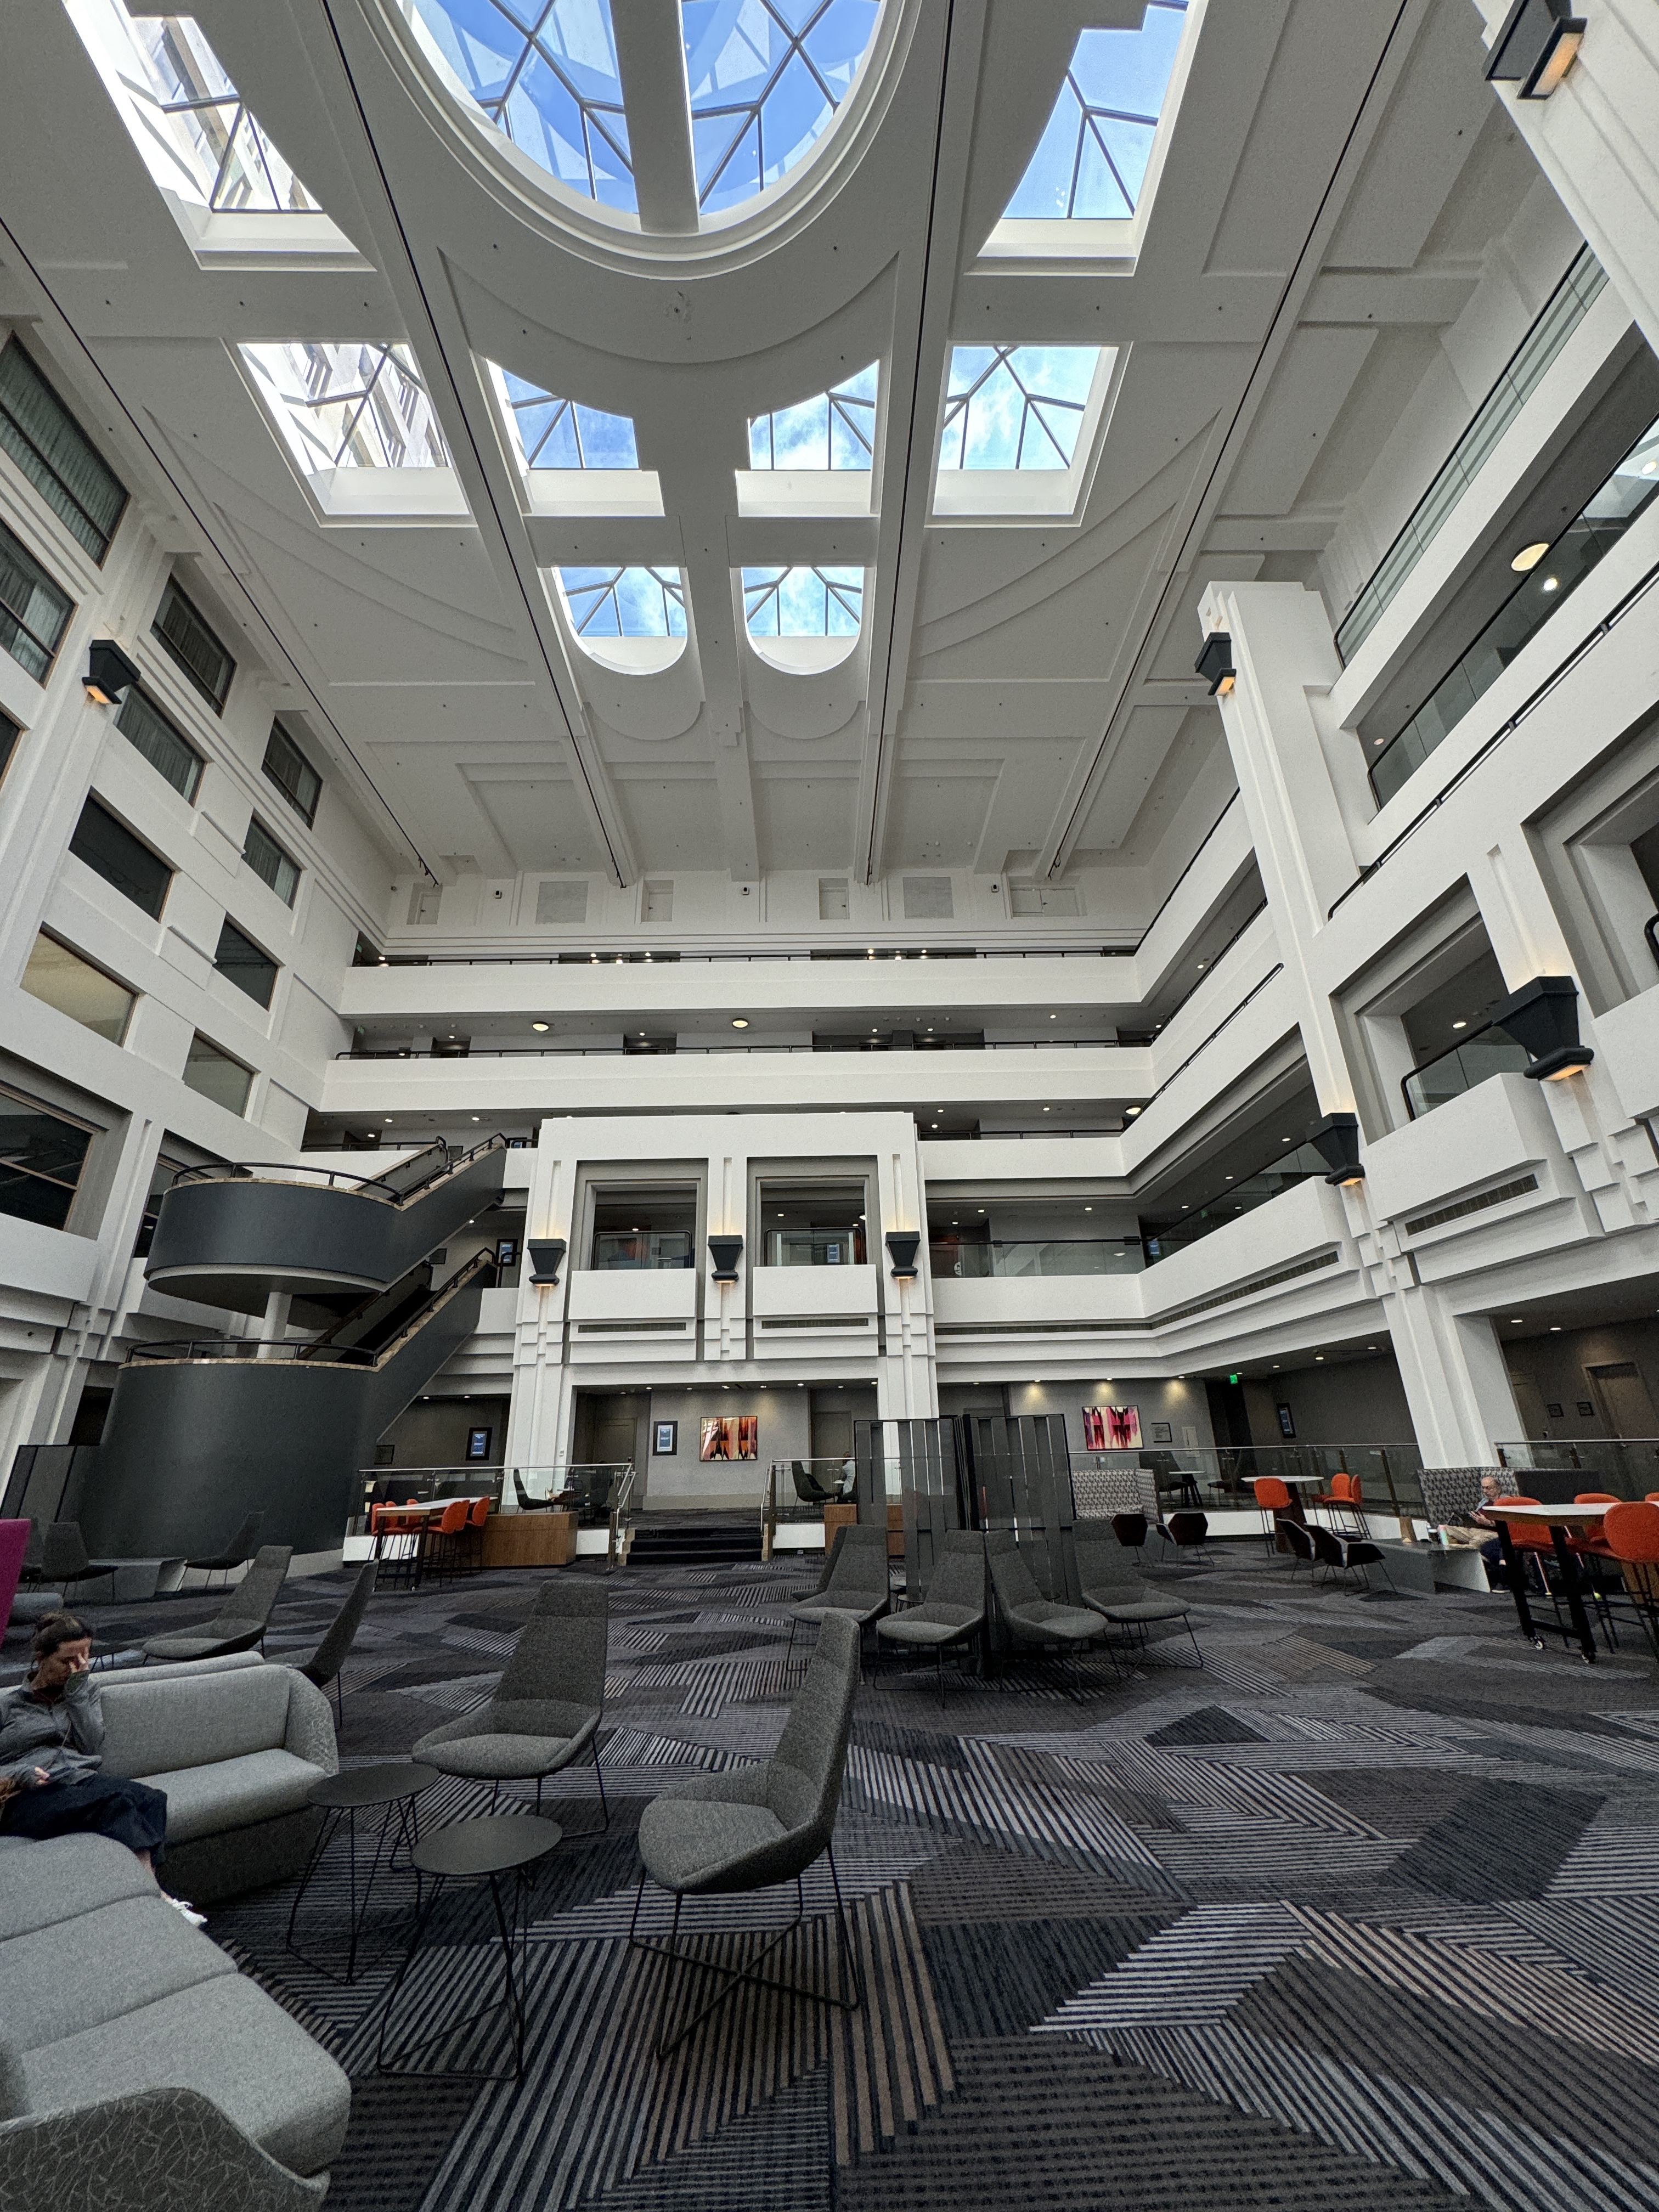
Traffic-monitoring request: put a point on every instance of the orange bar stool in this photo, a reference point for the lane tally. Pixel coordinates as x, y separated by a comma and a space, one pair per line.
441, 1548
475, 1535
1273, 1497
1632, 1534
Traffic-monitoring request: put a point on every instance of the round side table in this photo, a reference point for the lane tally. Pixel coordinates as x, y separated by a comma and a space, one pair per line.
391, 1786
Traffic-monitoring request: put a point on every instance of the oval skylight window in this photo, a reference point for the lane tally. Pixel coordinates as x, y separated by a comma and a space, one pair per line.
757, 83
803, 620
630, 619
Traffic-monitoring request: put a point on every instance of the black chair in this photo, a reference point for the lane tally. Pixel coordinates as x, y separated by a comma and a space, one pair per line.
808, 1488
1170, 1476
527, 1502
1347, 1555
236, 1553
1187, 1532
55, 1554
1298, 1542
1130, 1529
326, 1662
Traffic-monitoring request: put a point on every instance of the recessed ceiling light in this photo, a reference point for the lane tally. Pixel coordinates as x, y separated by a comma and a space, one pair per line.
1529, 556
1459, 1025
1088, 1209
1130, 1111
1515, 1321
540, 1028
388, 1121
1319, 1359
738, 1022
1551, 583
1555, 1328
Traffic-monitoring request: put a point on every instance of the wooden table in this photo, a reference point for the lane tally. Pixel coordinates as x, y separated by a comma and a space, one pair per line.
529, 1539
1558, 1520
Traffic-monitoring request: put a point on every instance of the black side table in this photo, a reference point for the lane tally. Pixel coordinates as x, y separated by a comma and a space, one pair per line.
393, 1787
487, 1849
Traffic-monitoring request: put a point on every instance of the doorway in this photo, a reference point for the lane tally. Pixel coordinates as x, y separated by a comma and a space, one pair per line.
834, 1407
1626, 1408
608, 1426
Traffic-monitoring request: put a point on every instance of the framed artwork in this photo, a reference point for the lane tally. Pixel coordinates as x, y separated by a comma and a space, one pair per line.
1287, 1425
731, 1437
1111, 1428
477, 1443
1162, 1433
665, 1439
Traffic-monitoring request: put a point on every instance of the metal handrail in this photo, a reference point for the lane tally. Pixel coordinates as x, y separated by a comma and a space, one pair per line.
377, 1188
1651, 933
315, 1351
1450, 1052
687, 1051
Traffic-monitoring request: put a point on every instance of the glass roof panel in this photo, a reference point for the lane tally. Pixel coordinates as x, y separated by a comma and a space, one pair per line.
558, 434
1091, 162
803, 602
546, 74
352, 406
836, 429
766, 78
624, 602
1016, 407
190, 102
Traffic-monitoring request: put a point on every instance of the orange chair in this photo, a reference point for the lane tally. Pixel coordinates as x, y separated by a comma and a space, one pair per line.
1273, 1497
404, 1525
1589, 1539
440, 1547
1631, 1532
475, 1535
1343, 1497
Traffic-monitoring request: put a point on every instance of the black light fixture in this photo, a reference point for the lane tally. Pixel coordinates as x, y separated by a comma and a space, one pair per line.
1336, 1141
108, 672
1215, 664
902, 1248
1535, 48
546, 1257
1542, 1017
725, 1252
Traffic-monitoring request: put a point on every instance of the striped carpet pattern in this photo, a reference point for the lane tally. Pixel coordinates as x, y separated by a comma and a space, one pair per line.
1361, 1915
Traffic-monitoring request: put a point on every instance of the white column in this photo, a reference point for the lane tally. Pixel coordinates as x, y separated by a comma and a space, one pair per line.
1456, 1383
273, 1324
1596, 138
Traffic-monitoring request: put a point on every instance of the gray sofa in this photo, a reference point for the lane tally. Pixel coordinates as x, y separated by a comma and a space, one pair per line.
107, 1993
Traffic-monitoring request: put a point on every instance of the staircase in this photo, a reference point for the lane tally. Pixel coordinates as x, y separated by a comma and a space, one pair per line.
690, 1539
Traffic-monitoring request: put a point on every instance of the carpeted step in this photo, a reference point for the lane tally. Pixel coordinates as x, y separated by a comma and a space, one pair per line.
703, 1544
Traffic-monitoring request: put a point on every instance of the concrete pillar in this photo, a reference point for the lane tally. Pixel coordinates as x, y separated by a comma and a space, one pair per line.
1456, 1383
1596, 138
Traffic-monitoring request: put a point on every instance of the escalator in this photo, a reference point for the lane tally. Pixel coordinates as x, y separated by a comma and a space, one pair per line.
203, 1431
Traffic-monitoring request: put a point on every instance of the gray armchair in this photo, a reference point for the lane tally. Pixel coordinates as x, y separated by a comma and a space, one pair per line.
234, 1553
326, 1662
1113, 1586
240, 1622
158, 2150
548, 1705
856, 1582
954, 1607
1028, 1616
727, 1834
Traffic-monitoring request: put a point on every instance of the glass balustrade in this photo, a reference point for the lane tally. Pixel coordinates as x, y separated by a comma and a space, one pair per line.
1486, 1052
1031, 1256
619, 1249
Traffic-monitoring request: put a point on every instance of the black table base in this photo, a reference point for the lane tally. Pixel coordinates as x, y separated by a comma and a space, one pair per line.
1579, 1623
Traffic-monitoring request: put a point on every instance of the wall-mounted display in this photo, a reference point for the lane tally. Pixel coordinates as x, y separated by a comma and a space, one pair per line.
507, 1252
731, 1437
665, 1439
1111, 1428
1286, 1424
1162, 1433
477, 1443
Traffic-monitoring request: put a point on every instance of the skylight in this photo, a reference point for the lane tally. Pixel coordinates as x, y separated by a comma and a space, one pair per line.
612, 603
1092, 161
558, 434
352, 406
546, 74
766, 78
834, 430
803, 602
1016, 407
188, 101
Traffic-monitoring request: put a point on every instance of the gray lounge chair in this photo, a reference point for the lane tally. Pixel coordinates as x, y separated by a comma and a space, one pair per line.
240, 1622
548, 1704
855, 1582
1113, 1586
326, 1662
954, 1607
726, 1834
234, 1553
1030, 1618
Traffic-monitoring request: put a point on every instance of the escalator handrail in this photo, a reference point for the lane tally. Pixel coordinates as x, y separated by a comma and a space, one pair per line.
302, 1178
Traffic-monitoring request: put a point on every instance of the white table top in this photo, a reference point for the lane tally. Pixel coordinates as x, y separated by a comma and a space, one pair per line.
1555, 1517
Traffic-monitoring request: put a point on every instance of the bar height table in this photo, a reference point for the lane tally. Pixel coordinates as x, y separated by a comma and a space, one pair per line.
1559, 1520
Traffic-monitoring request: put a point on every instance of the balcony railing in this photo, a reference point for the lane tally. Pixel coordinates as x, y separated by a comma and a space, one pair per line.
1588, 538
620, 1050
1626, 1466
616, 1251
1563, 312
1483, 1052
1014, 1257
1259, 1188
1390, 1475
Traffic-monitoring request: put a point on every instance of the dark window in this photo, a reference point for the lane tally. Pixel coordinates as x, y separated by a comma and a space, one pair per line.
41, 1157
55, 454
161, 1184
33, 612
180, 625
270, 863
111, 850
217, 1076
147, 731
10, 734
247, 968
293, 773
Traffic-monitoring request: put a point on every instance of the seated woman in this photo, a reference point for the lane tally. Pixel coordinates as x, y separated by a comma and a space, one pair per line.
52, 1737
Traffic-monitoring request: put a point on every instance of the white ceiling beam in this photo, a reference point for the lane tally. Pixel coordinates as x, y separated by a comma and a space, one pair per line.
651, 55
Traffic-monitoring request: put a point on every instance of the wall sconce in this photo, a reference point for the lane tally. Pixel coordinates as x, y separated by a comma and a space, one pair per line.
1336, 1141
1215, 664
546, 1258
1535, 48
108, 672
725, 1252
1542, 1017
902, 1245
